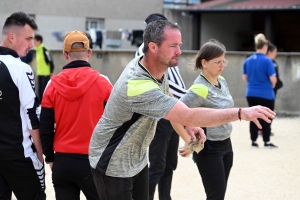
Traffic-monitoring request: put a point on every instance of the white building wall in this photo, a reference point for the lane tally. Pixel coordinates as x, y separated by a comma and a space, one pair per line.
112, 9
48, 24
67, 15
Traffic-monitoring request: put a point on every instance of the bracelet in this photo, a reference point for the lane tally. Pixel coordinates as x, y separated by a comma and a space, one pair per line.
239, 113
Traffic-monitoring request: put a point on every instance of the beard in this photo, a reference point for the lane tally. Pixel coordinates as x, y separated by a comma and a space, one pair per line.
173, 62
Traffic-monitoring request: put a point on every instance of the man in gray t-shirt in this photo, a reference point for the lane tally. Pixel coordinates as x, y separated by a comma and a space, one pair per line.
122, 136
118, 147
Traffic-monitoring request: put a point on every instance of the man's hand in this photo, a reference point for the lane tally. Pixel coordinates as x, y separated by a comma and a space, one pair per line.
192, 131
255, 112
191, 146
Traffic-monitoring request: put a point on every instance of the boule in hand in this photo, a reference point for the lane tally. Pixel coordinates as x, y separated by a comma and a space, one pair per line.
194, 145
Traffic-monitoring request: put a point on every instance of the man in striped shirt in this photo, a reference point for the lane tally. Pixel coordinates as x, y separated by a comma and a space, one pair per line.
163, 149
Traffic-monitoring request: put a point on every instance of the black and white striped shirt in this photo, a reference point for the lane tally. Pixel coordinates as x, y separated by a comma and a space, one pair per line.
176, 84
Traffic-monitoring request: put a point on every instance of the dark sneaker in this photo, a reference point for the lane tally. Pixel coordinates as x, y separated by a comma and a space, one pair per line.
254, 145
270, 146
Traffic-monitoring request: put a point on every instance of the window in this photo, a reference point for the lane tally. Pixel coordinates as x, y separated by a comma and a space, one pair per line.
170, 3
95, 23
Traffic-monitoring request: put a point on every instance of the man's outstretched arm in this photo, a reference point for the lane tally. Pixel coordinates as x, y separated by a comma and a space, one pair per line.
207, 117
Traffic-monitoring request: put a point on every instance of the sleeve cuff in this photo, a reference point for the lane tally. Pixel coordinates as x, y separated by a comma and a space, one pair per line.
49, 159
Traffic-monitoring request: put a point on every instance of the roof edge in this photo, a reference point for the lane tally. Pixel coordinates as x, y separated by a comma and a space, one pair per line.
231, 9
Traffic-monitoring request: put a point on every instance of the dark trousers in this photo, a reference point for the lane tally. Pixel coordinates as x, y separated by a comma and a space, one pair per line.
266, 127
70, 175
275, 92
25, 177
42, 83
115, 188
163, 158
214, 163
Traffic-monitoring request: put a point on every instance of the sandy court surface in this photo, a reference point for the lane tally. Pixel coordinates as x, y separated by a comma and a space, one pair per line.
257, 174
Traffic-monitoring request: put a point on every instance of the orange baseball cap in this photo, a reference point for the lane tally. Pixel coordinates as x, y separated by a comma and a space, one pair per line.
75, 37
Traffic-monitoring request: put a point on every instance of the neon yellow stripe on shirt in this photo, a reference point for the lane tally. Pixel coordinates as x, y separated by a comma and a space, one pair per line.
221, 77
200, 89
137, 87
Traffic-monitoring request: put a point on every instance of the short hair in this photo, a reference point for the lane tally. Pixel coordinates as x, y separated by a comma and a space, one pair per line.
19, 19
260, 41
154, 17
77, 55
210, 50
38, 37
155, 30
271, 47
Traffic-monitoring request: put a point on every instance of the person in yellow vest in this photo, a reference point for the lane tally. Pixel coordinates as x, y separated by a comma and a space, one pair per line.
44, 64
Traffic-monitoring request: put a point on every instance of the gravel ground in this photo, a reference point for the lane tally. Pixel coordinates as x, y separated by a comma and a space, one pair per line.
257, 174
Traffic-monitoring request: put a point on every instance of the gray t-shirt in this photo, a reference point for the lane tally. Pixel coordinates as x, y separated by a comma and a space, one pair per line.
204, 94
119, 143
